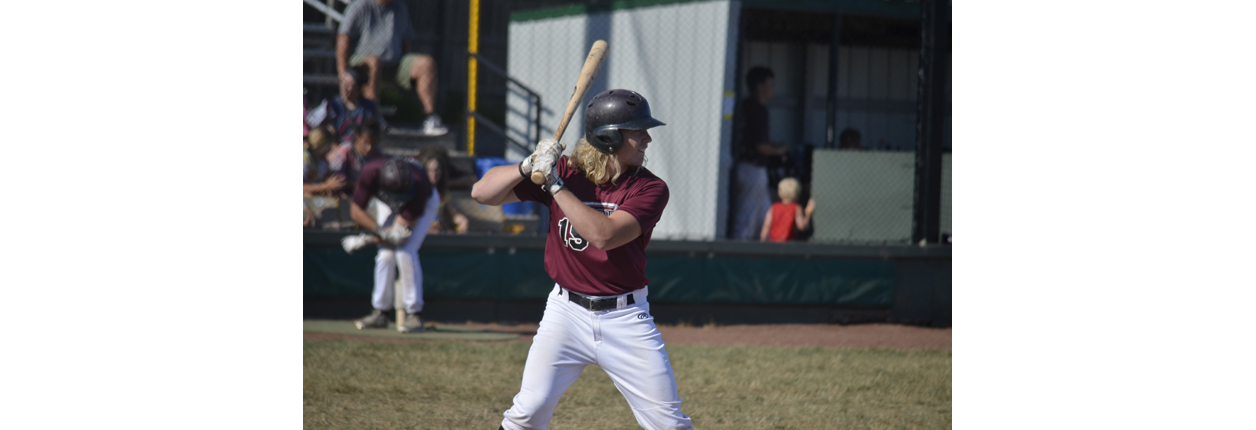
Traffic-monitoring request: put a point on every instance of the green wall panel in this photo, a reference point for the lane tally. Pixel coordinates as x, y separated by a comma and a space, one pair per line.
676, 279
330, 273
474, 274
859, 282
522, 276
459, 273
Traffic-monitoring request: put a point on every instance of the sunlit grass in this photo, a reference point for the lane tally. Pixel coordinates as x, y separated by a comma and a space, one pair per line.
452, 385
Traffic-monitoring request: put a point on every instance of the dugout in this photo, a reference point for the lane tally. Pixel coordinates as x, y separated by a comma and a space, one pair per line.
837, 64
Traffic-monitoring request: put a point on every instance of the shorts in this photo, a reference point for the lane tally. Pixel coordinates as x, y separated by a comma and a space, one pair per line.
400, 71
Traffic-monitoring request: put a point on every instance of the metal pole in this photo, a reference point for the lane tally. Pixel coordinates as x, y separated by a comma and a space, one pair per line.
803, 94
473, 46
736, 134
537, 134
327, 20
830, 111
930, 110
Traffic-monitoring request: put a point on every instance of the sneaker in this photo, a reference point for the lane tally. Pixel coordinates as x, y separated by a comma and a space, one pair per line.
377, 319
432, 126
413, 324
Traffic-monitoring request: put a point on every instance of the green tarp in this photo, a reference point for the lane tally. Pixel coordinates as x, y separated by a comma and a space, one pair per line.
475, 274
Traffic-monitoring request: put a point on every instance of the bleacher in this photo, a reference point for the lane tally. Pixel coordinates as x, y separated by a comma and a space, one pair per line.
402, 138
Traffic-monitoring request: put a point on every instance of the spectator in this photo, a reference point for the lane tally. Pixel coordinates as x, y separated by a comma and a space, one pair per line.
786, 218
406, 205
435, 160
318, 177
850, 139
754, 151
309, 216
383, 33
349, 159
348, 109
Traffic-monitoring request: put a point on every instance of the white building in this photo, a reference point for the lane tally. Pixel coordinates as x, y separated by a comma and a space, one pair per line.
689, 58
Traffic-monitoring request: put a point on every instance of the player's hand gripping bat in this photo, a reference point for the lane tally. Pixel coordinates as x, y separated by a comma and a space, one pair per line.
588, 73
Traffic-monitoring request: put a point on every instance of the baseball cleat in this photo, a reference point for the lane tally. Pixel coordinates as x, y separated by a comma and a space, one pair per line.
377, 319
412, 324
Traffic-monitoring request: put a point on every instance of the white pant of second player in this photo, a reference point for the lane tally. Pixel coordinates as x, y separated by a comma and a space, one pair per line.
624, 342
403, 259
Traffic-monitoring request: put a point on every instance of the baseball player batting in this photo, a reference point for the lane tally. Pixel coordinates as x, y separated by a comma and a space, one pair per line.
604, 205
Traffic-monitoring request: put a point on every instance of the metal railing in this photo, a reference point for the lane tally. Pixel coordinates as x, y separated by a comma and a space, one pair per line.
498, 129
328, 8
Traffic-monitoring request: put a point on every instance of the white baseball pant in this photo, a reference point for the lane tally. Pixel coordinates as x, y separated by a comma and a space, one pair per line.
624, 342
403, 259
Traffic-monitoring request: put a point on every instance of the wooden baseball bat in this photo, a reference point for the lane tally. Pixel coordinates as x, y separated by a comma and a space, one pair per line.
588, 73
399, 303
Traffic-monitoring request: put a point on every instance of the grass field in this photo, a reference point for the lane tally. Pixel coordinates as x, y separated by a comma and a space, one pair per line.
459, 385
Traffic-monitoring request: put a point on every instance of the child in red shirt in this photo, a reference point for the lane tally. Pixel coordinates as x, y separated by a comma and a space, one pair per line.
786, 218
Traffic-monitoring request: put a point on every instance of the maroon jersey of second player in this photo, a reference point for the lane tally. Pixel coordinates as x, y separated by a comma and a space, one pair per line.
578, 266
368, 186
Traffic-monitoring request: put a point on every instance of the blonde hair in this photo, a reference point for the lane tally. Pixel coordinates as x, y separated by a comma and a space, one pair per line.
594, 164
788, 189
319, 138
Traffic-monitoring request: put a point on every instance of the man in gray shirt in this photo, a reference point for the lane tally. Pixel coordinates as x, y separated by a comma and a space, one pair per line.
380, 33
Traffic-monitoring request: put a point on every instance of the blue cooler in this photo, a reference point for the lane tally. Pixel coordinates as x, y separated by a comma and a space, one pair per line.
482, 164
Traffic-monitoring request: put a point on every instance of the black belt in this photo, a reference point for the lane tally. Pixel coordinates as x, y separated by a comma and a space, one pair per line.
598, 304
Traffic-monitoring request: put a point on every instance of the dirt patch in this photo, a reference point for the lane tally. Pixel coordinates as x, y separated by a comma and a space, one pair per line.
825, 335
329, 336
822, 335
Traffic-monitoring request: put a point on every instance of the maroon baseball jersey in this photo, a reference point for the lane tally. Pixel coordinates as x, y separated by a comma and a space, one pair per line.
578, 266
411, 204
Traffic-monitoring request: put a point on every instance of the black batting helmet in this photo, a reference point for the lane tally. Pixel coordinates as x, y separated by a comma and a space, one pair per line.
396, 183
611, 111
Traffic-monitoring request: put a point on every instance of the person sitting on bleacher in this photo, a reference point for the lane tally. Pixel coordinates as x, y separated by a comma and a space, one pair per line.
435, 160
347, 110
383, 32
318, 176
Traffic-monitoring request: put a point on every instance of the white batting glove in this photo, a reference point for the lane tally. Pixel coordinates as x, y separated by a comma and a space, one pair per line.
355, 242
549, 146
525, 167
553, 183
394, 235
546, 146
545, 157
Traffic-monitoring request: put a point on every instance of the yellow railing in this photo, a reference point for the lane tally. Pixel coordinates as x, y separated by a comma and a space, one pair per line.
473, 46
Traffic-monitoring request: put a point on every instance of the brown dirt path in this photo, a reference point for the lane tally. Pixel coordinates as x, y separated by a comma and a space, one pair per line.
822, 335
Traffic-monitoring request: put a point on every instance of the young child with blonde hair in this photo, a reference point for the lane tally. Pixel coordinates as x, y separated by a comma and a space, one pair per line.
786, 218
